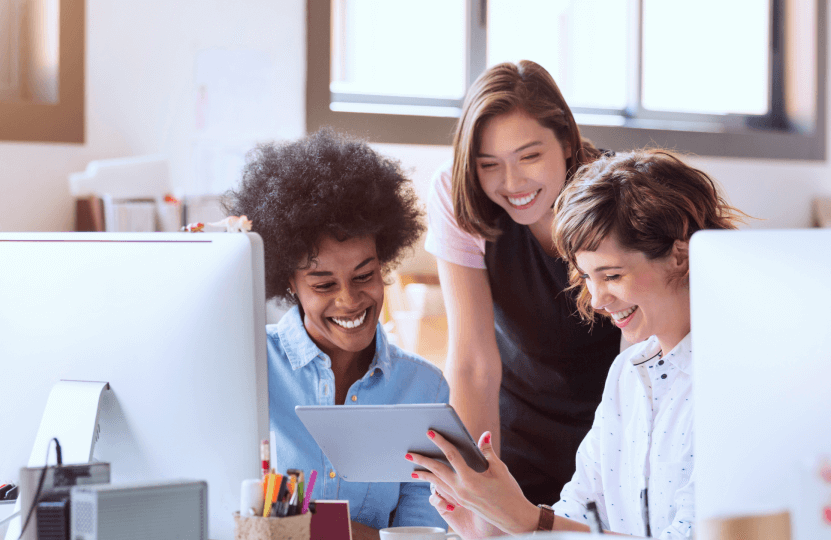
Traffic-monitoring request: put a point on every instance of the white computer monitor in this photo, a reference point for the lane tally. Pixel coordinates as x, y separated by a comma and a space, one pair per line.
174, 322
761, 343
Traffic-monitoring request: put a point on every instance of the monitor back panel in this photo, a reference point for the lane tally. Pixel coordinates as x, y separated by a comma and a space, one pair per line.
761, 337
174, 322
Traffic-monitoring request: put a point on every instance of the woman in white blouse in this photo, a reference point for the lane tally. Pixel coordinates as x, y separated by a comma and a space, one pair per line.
624, 224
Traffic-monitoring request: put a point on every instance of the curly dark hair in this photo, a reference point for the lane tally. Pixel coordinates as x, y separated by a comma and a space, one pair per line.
325, 184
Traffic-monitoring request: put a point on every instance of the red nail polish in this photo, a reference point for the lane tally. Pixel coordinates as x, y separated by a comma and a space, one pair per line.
409, 457
487, 439
415, 475
431, 434
450, 507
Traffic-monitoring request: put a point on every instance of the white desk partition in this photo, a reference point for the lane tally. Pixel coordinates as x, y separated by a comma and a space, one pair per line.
761, 337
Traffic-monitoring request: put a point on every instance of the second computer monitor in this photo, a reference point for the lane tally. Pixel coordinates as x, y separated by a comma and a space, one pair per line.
762, 365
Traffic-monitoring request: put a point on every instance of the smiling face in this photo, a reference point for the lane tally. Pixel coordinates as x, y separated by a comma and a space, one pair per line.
639, 294
521, 166
341, 293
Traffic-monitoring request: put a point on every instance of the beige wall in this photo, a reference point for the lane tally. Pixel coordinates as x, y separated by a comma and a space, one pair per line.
141, 99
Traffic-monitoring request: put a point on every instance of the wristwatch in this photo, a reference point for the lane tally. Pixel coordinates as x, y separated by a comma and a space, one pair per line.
546, 522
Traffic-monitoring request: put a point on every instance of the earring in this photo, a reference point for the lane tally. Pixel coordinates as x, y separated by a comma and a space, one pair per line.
291, 293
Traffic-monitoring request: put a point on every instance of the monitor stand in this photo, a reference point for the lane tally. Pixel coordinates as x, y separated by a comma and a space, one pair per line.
71, 416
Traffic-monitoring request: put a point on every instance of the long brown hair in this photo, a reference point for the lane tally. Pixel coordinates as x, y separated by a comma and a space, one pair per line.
646, 200
502, 89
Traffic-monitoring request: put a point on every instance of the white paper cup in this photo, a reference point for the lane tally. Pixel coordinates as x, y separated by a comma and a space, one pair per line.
251, 498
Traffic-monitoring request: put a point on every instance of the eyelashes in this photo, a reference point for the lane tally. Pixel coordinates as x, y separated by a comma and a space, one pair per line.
613, 277
325, 287
527, 157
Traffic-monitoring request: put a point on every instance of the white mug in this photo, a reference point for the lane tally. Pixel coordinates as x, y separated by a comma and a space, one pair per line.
416, 533
558, 536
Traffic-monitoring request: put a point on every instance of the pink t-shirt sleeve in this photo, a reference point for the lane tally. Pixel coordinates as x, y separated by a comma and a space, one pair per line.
445, 239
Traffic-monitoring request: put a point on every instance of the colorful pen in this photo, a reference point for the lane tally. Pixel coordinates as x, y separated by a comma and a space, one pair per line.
307, 498
271, 479
300, 478
293, 507
282, 506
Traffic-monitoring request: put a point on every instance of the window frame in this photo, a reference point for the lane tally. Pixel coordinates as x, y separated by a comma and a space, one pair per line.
773, 136
61, 122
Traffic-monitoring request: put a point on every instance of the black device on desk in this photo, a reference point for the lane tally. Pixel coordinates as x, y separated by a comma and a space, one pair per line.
50, 517
9, 492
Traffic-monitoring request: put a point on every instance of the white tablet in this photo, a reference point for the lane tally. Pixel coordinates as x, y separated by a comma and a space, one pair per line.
367, 443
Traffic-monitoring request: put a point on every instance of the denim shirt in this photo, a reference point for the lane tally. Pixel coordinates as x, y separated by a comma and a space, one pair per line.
299, 373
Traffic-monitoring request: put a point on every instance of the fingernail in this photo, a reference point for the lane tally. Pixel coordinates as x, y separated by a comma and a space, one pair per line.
450, 507
431, 434
415, 475
409, 457
487, 439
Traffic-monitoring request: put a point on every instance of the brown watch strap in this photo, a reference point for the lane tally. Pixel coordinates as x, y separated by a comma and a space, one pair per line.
546, 522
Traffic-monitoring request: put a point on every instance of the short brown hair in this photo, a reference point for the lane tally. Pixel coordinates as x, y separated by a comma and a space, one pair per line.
646, 199
502, 89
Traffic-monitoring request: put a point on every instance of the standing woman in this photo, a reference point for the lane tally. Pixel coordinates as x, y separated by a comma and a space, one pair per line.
519, 356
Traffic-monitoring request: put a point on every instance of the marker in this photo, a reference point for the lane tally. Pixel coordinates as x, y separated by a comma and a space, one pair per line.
265, 456
293, 506
307, 498
282, 507
271, 479
300, 478
276, 485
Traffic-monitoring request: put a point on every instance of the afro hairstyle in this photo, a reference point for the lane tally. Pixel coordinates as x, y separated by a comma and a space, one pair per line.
325, 184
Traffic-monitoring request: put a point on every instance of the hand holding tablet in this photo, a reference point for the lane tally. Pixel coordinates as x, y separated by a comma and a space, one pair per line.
367, 443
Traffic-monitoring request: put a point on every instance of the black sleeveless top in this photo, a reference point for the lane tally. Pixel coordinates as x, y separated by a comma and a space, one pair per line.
554, 365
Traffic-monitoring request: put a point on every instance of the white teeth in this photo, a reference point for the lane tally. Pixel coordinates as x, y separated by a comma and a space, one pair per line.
525, 200
618, 315
352, 323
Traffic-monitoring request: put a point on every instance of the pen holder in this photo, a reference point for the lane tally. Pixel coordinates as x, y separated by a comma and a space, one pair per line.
285, 528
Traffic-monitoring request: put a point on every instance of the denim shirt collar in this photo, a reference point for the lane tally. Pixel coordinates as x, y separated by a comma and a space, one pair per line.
300, 349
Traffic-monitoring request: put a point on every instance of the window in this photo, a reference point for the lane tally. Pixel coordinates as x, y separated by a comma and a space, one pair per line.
749, 82
42, 70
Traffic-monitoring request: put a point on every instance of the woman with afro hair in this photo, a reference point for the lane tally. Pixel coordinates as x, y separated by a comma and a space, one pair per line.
335, 217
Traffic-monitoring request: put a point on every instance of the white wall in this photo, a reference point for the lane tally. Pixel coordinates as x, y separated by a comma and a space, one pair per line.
777, 193
141, 99
141, 96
